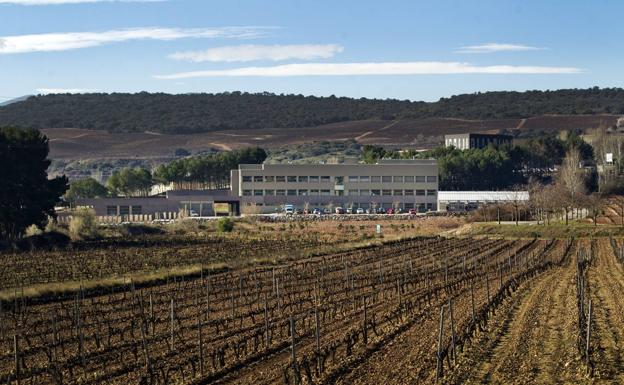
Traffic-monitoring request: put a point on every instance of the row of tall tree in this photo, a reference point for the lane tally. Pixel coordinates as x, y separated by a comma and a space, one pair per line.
493, 167
203, 172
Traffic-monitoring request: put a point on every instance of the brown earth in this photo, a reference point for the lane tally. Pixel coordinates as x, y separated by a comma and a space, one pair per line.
72, 143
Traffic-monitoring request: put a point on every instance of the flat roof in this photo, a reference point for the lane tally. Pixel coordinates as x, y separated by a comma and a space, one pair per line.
381, 162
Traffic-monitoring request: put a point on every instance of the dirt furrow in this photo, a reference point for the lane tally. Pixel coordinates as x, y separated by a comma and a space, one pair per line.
607, 291
531, 340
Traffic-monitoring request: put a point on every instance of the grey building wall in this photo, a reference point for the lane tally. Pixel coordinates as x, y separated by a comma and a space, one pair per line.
468, 141
390, 183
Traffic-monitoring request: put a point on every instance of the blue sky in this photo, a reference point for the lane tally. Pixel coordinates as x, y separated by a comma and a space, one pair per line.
418, 50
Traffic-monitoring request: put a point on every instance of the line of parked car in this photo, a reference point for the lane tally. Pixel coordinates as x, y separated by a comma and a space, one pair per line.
291, 210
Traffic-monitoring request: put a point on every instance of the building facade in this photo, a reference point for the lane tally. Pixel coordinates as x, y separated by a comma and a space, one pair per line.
404, 184
469, 141
267, 188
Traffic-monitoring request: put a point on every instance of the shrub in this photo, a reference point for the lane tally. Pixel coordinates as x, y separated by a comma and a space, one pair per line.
32, 230
225, 225
83, 224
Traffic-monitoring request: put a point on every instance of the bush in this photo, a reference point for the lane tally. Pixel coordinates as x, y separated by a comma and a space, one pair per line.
44, 241
83, 224
32, 230
139, 229
225, 225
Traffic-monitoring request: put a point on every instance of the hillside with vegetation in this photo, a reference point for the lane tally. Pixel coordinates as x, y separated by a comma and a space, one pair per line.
196, 113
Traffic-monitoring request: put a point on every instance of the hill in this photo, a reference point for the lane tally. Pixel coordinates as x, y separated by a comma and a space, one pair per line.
203, 113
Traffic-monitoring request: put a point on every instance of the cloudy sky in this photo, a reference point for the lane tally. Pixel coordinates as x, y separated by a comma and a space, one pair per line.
411, 49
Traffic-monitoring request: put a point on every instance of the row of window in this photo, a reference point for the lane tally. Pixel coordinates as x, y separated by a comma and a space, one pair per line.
124, 210
340, 179
373, 192
421, 207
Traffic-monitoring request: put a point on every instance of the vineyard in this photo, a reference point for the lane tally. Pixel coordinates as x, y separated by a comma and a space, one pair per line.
457, 310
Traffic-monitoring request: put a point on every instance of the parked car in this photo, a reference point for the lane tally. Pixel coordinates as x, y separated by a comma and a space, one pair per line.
193, 213
299, 211
390, 211
326, 211
359, 210
317, 211
340, 210
289, 209
412, 211
381, 210
349, 210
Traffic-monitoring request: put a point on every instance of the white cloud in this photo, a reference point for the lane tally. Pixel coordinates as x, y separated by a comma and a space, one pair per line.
73, 40
56, 2
346, 69
250, 52
46, 91
497, 47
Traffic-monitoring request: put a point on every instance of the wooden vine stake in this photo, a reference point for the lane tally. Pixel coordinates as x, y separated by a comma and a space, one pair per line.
589, 322
440, 362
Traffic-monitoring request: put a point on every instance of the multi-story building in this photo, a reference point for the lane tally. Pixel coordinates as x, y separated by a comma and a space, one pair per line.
468, 141
267, 188
395, 184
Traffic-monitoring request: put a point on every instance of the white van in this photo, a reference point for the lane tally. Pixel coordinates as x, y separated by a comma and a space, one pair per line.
289, 209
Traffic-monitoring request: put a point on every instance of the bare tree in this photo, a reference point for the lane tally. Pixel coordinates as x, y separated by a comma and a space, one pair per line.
595, 206
572, 179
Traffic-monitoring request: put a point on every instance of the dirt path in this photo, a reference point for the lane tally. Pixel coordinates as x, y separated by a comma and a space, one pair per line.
606, 277
532, 340
367, 133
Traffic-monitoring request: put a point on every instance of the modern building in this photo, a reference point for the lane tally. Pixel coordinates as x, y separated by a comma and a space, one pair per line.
266, 188
469, 141
459, 201
404, 184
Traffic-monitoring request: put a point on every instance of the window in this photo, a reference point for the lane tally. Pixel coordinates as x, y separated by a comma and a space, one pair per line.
325, 179
292, 179
408, 179
364, 179
431, 192
386, 179
408, 192
420, 192
325, 192
397, 192
314, 192
386, 192
375, 179
269, 178
269, 192
111, 210
303, 179
246, 178
280, 192
258, 192
280, 179
375, 192
258, 178
353, 179
291, 192
136, 210
124, 210
246, 192
420, 179
364, 193
353, 192
314, 179
432, 178
339, 179
397, 179
303, 192
429, 206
